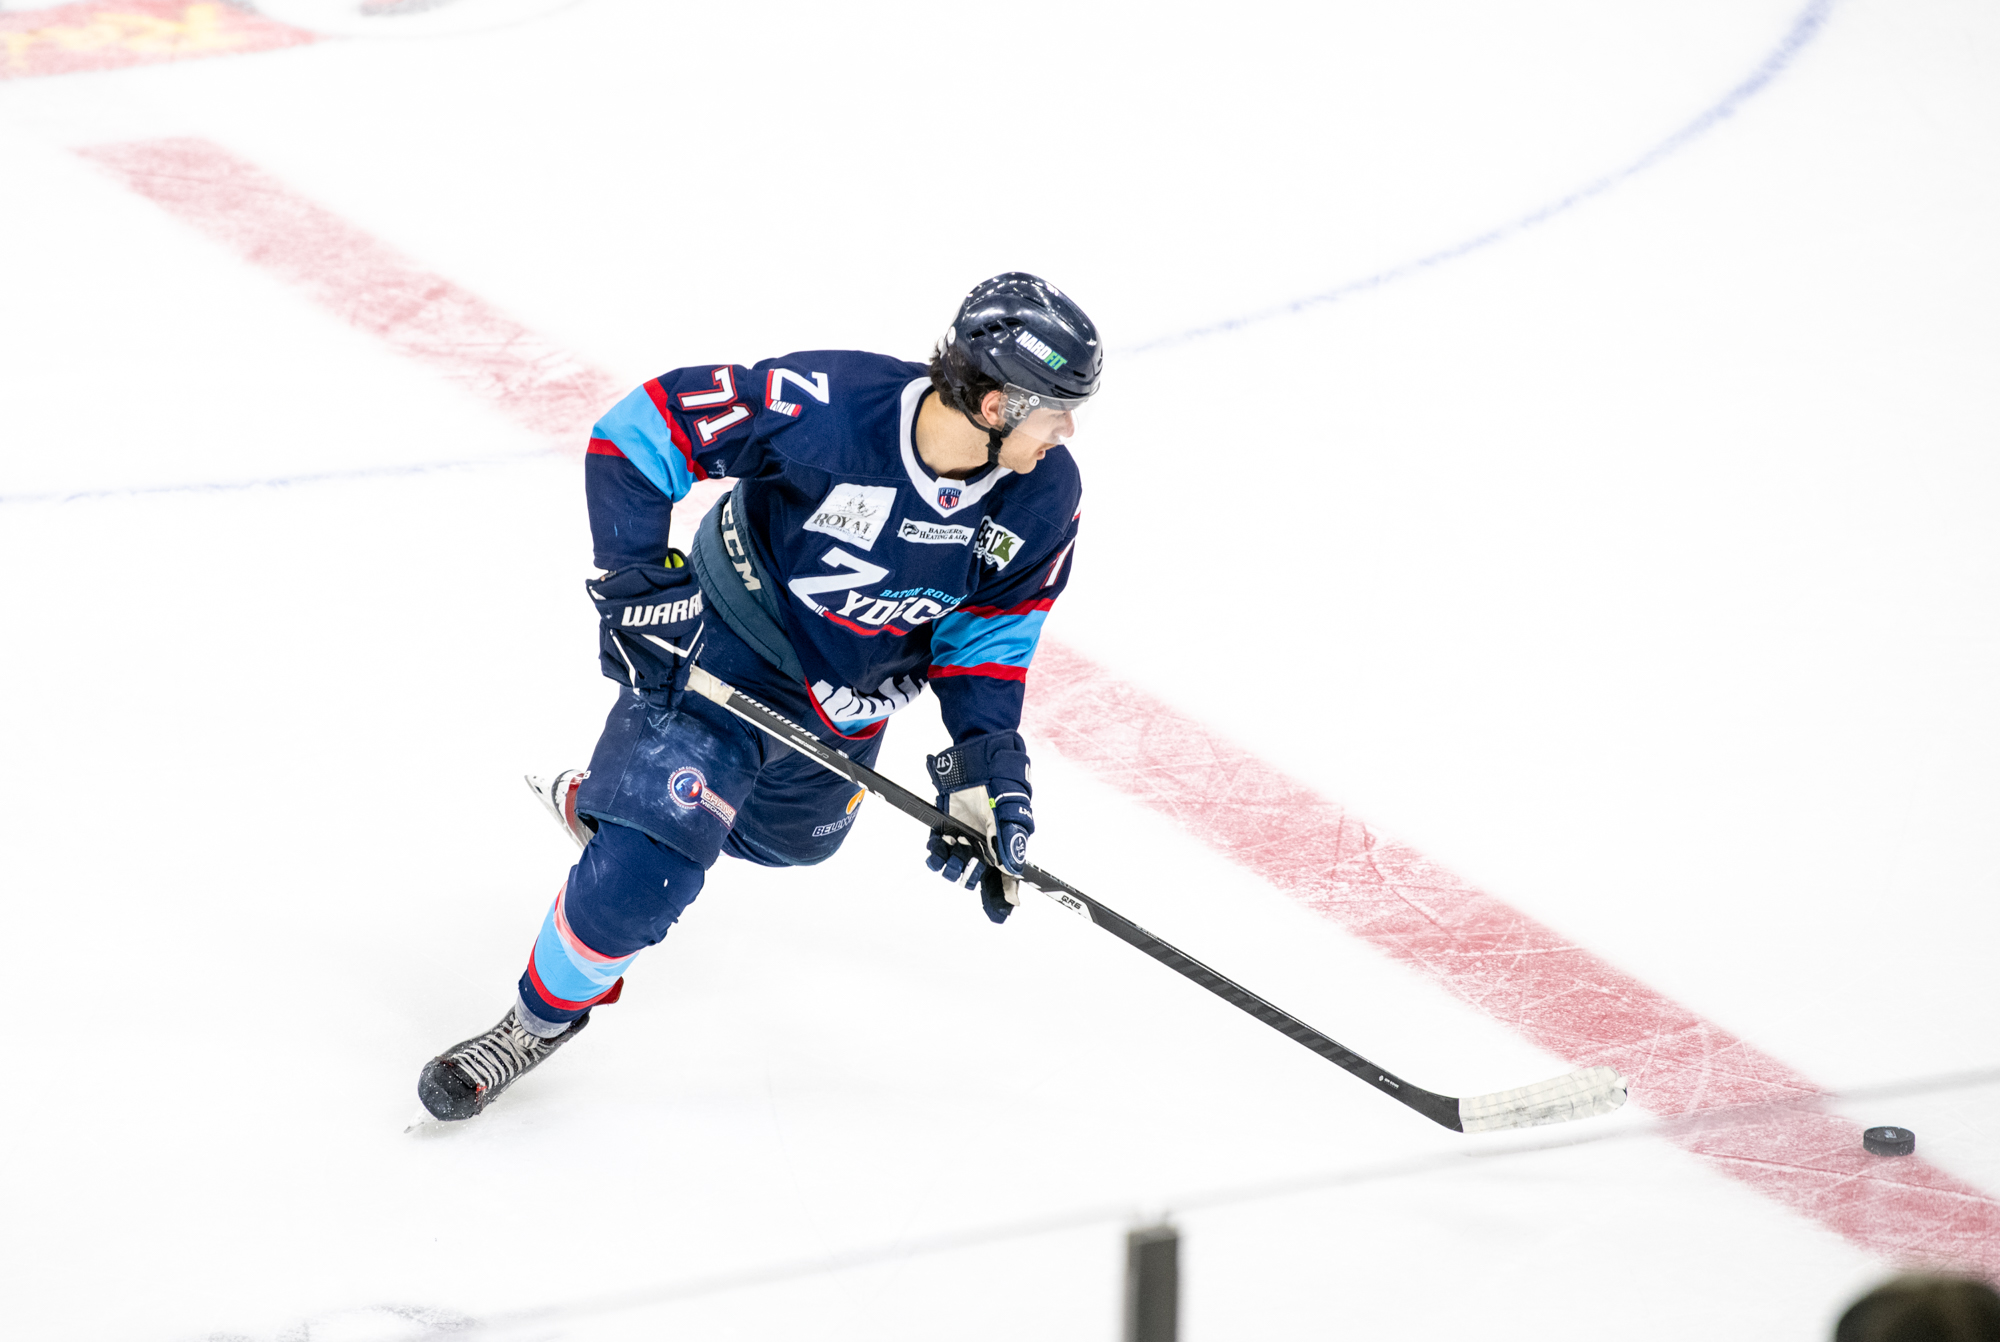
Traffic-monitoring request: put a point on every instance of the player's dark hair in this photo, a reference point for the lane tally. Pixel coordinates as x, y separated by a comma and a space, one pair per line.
973, 383
1923, 1309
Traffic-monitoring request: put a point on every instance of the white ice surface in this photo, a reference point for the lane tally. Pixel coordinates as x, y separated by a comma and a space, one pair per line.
1657, 596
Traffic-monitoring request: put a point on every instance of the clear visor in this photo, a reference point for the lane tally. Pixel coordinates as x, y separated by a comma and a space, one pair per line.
1038, 415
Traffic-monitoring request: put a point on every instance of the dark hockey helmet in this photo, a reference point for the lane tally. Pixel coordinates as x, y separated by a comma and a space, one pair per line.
1019, 333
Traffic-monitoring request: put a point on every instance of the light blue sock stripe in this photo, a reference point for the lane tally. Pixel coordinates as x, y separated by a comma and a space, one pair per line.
568, 975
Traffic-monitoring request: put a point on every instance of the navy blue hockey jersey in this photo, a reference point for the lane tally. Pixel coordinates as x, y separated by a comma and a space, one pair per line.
891, 576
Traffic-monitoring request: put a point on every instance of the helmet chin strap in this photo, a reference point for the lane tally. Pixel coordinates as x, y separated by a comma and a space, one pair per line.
994, 437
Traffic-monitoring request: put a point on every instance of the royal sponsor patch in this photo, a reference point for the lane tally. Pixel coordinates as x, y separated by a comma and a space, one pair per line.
996, 545
933, 533
854, 513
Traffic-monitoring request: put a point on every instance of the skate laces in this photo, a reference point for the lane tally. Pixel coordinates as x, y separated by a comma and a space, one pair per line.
495, 1059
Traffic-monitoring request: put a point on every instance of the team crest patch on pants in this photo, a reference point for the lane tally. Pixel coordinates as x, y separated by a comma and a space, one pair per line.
689, 789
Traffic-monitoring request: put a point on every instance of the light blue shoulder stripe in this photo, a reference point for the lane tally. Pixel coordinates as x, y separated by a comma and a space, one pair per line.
968, 640
634, 424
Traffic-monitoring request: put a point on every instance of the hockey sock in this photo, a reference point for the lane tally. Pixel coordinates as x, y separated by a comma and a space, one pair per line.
621, 897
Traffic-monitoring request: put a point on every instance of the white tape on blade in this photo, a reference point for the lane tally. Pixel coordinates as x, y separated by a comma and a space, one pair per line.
1584, 1094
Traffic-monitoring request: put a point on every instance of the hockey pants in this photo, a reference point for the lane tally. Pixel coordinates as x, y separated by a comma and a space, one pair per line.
671, 789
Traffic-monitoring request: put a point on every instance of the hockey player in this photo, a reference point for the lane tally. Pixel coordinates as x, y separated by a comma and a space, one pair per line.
891, 526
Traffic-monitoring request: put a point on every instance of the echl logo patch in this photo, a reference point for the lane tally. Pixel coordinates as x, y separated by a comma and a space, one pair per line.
947, 497
686, 786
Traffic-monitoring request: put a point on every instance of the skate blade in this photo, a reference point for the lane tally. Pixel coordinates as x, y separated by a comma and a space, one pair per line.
421, 1124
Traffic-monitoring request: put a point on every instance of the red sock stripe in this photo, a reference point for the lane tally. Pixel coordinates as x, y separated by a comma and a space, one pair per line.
563, 1004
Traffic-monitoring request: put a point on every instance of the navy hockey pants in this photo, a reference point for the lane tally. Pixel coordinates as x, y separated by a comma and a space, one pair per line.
671, 790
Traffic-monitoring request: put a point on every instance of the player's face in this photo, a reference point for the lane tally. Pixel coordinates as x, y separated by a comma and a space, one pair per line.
1029, 440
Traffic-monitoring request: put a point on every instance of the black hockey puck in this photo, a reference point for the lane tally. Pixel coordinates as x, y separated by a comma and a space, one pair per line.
1889, 1141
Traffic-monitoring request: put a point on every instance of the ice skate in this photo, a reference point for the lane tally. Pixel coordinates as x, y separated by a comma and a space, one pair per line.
558, 797
460, 1082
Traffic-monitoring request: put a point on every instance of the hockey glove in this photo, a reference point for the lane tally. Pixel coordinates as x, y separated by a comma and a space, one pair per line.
984, 783
649, 623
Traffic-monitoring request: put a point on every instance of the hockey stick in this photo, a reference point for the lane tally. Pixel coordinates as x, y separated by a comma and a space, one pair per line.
1579, 1094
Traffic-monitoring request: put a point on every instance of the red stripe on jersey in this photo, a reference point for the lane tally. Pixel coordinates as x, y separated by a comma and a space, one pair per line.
994, 612
862, 628
603, 447
997, 670
658, 394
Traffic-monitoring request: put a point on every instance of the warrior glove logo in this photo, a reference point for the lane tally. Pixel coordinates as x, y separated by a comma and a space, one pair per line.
667, 612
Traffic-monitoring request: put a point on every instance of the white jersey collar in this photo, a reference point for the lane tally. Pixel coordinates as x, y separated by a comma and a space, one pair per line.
963, 494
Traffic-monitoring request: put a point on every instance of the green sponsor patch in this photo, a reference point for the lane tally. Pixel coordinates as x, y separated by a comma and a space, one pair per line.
996, 545
1038, 347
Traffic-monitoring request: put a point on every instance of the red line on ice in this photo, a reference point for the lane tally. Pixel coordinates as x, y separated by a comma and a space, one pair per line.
1476, 948
366, 283
1515, 970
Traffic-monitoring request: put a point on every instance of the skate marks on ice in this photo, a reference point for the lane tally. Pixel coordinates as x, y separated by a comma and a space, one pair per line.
380, 1323
371, 286
1488, 955
1559, 996
235, 203
1804, 28
366, 283
1490, 1151
271, 482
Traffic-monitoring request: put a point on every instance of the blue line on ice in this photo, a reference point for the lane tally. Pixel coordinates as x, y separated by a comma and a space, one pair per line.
1804, 28
278, 482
